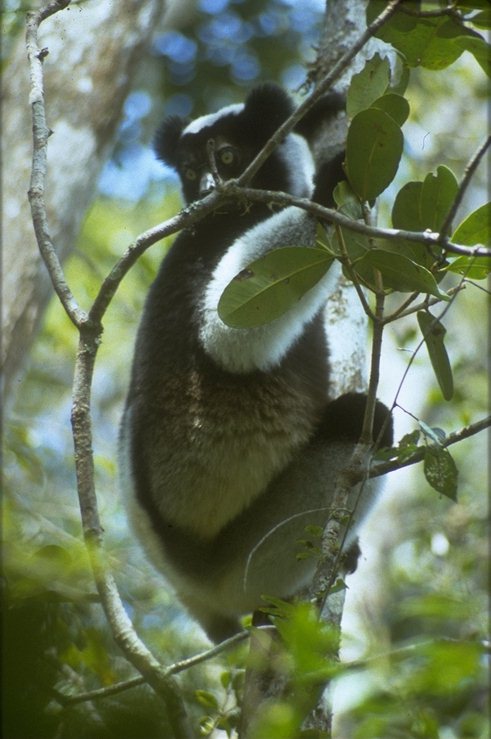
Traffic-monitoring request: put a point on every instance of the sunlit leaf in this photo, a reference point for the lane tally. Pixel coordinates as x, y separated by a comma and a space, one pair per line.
475, 228
271, 285
206, 699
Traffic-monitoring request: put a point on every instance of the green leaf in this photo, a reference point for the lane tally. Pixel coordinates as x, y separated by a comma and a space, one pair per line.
438, 193
271, 285
206, 699
422, 205
475, 228
368, 85
394, 105
434, 334
354, 244
225, 679
478, 47
347, 202
482, 19
398, 273
440, 471
407, 445
407, 216
373, 151
474, 268
434, 43
406, 212
470, 5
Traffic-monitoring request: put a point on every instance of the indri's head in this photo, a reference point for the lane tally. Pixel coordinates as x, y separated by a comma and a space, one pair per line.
239, 132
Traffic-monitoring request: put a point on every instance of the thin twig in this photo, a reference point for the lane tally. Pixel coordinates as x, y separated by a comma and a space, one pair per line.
382, 468
428, 302
468, 173
173, 669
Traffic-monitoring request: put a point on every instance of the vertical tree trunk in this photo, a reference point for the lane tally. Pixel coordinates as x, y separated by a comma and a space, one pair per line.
344, 23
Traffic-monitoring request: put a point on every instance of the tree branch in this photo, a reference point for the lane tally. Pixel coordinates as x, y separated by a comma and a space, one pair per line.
186, 218
40, 135
321, 88
468, 173
90, 331
173, 669
383, 468
427, 238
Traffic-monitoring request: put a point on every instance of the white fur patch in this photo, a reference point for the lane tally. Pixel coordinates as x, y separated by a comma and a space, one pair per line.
244, 350
208, 120
301, 169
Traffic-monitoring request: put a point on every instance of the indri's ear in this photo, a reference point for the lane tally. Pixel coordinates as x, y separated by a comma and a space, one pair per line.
166, 139
266, 107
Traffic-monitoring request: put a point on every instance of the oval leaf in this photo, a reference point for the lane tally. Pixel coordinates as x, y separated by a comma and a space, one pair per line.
271, 285
474, 268
394, 105
368, 85
373, 151
476, 228
405, 211
440, 471
398, 273
438, 193
434, 333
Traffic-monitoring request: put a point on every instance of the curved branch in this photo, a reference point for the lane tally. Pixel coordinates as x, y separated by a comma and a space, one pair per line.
40, 135
184, 219
124, 634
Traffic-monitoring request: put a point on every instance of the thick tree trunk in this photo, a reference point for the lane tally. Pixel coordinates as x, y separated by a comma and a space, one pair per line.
95, 50
344, 23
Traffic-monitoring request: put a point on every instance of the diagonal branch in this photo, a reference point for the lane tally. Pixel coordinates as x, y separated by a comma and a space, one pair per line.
469, 171
383, 468
322, 87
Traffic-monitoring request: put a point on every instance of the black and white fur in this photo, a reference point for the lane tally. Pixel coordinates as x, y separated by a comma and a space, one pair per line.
230, 445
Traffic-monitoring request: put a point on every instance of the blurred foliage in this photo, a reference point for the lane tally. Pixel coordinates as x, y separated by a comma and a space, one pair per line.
429, 678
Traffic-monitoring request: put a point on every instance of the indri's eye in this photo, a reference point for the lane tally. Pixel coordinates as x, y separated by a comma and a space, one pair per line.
228, 156
190, 174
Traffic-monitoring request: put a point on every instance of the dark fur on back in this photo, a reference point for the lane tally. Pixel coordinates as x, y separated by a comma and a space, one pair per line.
228, 440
